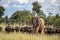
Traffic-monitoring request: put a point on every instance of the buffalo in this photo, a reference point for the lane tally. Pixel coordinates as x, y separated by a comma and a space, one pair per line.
17, 29
12, 29
8, 29
57, 30
50, 30
26, 29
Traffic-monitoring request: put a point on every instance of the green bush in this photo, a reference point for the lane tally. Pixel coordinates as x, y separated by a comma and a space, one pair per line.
57, 23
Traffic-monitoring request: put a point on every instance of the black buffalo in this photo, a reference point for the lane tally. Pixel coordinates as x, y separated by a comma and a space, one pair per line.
57, 30
17, 29
12, 29
26, 29
8, 29
51, 30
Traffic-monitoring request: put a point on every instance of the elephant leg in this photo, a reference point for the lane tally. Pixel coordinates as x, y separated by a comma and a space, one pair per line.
42, 30
37, 29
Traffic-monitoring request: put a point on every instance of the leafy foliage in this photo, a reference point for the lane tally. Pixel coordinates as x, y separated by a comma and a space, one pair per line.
1, 11
22, 16
36, 8
57, 23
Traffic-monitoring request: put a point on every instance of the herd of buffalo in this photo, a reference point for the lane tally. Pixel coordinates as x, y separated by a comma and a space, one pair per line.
47, 30
38, 27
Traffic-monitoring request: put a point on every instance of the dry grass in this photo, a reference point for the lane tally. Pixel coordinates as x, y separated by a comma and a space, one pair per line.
26, 36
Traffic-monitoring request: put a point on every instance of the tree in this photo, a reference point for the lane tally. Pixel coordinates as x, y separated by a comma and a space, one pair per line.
53, 20
1, 11
57, 23
57, 16
57, 20
50, 14
49, 19
6, 19
22, 16
36, 8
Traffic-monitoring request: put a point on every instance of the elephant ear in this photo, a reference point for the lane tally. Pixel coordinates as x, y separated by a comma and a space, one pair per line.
34, 20
37, 20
